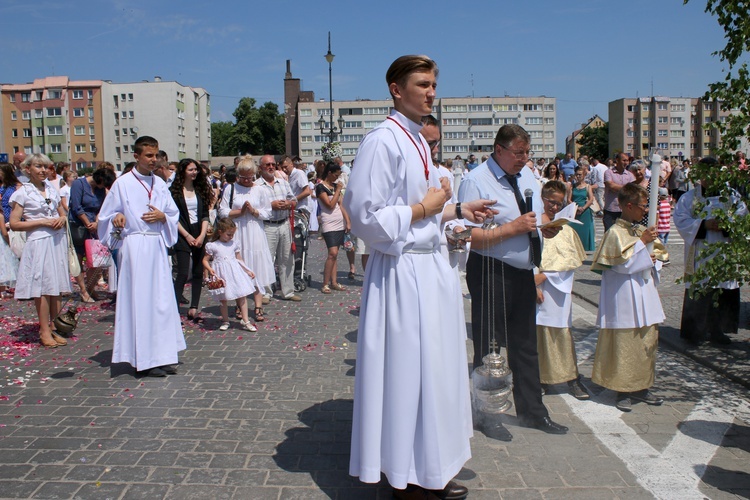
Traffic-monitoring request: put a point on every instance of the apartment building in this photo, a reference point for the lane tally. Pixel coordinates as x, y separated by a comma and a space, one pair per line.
572, 142
671, 125
88, 122
467, 124
54, 116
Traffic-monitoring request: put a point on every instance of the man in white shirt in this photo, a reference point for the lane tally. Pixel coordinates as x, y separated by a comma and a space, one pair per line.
299, 184
597, 182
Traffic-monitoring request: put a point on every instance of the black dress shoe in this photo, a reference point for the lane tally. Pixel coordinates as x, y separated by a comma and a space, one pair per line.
496, 431
544, 424
184, 300
452, 491
153, 372
646, 397
721, 339
169, 369
413, 492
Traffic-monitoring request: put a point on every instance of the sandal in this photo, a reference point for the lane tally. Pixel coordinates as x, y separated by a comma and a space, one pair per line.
48, 344
195, 317
350, 275
259, 314
325, 289
237, 313
337, 287
59, 339
224, 326
249, 326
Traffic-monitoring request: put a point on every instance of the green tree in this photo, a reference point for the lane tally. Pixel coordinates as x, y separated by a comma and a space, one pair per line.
222, 139
594, 142
732, 95
258, 130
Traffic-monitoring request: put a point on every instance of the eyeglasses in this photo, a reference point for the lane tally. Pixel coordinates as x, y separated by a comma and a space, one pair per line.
642, 207
556, 204
519, 154
271, 163
244, 178
434, 144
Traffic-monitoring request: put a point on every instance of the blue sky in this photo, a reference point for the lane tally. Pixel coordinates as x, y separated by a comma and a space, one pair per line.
585, 52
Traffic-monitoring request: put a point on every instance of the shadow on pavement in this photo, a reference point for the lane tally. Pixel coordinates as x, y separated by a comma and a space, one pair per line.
321, 448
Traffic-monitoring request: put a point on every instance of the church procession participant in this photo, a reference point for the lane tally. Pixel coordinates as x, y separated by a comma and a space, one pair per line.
503, 258
412, 413
629, 305
554, 282
43, 270
139, 211
700, 317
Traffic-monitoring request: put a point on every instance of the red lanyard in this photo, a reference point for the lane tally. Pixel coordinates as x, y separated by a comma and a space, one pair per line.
149, 191
423, 157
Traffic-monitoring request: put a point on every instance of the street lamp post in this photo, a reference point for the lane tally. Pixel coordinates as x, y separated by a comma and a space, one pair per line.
332, 130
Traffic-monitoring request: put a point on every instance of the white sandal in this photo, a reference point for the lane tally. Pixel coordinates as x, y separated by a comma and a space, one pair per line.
249, 326
224, 326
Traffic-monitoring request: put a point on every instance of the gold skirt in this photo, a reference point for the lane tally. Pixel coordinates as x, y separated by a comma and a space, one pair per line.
557, 355
625, 359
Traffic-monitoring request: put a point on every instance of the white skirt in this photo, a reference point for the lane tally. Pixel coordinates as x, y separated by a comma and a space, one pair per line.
8, 265
43, 269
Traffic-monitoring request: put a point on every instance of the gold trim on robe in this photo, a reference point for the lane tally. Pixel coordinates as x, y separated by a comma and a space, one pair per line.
625, 358
564, 252
618, 245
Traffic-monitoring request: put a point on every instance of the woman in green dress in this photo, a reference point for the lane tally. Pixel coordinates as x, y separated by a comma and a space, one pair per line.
582, 196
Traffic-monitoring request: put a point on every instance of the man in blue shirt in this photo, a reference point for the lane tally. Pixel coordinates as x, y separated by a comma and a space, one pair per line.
568, 166
502, 259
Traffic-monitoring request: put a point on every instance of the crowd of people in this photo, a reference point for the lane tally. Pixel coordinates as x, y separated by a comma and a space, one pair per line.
167, 224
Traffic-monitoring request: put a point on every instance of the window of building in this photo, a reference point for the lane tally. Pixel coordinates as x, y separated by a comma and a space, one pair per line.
54, 94
39, 131
549, 135
675, 120
644, 121
306, 152
26, 97
506, 107
549, 107
80, 148
14, 132
353, 124
532, 107
480, 107
38, 95
661, 106
454, 121
455, 135
505, 121
80, 165
631, 133
646, 133
12, 97
124, 114
677, 145
13, 115
455, 108
483, 135
78, 94
54, 112
677, 133
371, 124
630, 122
662, 145
130, 97
661, 133
54, 130
92, 132
549, 121
708, 106
480, 121
306, 138
305, 126
677, 107
376, 111
631, 108
455, 149
125, 148
28, 150
324, 112
79, 130
26, 115
645, 107
351, 137
661, 119
55, 148
349, 151
305, 112
77, 112
534, 120
27, 132
131, 114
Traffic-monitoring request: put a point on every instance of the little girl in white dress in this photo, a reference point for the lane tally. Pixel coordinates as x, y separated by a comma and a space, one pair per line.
224, 261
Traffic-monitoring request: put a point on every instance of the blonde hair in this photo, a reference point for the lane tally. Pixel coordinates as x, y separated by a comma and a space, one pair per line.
39, 158
247, 164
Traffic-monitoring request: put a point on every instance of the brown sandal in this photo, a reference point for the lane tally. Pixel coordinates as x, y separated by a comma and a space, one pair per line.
259, 314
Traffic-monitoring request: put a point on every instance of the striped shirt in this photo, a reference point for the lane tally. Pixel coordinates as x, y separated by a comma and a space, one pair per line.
665, 215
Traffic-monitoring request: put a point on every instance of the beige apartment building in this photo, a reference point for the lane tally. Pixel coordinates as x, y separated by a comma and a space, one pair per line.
671, 125
467, 124
572, 142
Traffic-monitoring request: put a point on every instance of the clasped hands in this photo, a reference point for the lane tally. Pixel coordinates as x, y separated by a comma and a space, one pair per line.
153, 215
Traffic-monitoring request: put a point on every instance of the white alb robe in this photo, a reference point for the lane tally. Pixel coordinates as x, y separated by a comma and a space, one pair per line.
412, 411
148, 332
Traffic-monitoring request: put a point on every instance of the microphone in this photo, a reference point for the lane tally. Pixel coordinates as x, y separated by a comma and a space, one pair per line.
528, 194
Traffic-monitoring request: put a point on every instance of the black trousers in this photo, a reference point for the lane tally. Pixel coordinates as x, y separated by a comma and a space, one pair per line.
184, 271
609, 218
702, 320
491, 310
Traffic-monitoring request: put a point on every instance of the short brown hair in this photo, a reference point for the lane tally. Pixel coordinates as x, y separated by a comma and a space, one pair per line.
401, 68
631, 193
554, 187
510, 132
144, 141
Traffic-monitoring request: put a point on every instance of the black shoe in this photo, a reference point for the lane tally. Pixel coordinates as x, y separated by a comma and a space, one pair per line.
452, 491
153, 372
623, 402
578, 390
169, 369
544, 424
184, 300
721, 339
645, 397
496, 431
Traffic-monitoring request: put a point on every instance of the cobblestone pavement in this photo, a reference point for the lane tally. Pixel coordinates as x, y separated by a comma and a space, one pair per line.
268, 415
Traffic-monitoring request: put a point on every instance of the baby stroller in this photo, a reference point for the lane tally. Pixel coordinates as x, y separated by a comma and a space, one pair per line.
302, 243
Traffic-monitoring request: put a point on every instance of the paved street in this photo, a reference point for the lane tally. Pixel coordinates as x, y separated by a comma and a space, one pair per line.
268, 414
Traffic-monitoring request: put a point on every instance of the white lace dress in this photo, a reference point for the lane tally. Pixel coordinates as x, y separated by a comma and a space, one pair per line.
236, 281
